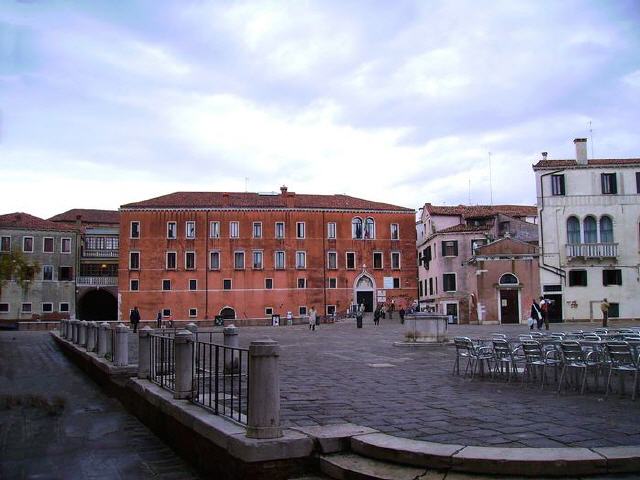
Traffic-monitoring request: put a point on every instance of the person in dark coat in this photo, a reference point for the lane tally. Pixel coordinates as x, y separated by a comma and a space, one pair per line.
401, 312
536, 314
134, 318
159, 320
376, 316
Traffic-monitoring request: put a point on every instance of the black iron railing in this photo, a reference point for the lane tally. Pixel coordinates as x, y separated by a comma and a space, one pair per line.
220, 379
162, 368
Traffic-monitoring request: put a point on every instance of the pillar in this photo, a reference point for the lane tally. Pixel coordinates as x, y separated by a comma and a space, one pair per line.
184, 364
144, 351
121, 355
263, 419
104, 343
74, 326
231, 357
82, 336
92, 337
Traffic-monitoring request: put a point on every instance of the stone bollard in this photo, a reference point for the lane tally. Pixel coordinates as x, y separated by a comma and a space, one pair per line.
144, 351
92, 337
67, 329
74, 330
184, 366
263, 420
104, 342
121, 355
193, 328
231, 357
63, 329
82, 336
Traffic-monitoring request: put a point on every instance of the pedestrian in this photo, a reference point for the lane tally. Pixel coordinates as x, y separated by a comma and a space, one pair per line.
392, 308
544, 308
312, 319
401, 312
359, 313
159, 319
383, 312
134, 318
604, 306
376, 316
536, 315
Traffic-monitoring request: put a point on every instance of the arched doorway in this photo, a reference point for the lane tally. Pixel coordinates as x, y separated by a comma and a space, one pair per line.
228, 313
364, 288
509, 297
98, 305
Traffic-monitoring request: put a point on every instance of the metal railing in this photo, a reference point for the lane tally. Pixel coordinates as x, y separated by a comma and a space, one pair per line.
97, 281
592, 250
220, 379
100, 253
162, 367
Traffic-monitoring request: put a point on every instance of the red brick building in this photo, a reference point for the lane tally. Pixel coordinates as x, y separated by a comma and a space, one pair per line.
249, 255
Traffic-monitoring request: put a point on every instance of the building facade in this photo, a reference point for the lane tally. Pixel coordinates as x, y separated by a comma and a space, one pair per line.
51, 247
589, 234
448, 238
196, 255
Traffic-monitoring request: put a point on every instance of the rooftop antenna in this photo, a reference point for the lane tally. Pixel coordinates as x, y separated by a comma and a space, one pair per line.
591, 139
490, 185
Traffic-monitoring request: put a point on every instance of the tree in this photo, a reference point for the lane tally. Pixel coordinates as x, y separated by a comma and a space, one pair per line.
14, 267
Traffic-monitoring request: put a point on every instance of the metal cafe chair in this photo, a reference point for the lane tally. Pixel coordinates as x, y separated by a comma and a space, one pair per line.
474, 354
573, 357
537, 358
622, 360
499, 335
505, 356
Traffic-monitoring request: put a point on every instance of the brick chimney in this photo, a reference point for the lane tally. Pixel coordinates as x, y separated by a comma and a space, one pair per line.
283, 190
544, 155
581, 150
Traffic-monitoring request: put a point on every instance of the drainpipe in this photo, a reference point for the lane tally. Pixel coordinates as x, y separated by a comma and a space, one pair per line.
324, 266
550, 268
206, 265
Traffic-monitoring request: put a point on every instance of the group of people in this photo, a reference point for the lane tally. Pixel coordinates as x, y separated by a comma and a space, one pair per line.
134, 318
538, 315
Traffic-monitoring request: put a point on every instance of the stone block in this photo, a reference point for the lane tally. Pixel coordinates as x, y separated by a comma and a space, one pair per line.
334, 438
621, 459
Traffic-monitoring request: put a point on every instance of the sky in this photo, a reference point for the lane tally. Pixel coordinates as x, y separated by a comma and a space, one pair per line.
108, 102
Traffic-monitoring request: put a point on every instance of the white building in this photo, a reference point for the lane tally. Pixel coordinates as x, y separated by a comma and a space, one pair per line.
590, 234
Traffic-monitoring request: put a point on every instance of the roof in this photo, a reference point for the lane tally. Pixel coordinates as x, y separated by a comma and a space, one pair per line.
462, 228
474, 211
24, 221
88, 216
215, 200
596, 162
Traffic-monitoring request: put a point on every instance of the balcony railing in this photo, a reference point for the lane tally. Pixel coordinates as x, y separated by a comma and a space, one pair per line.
100, 253
97, 281
592, 250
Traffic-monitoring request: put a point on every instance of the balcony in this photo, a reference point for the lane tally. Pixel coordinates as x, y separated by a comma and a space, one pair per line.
592, 250
96, 281
103, 253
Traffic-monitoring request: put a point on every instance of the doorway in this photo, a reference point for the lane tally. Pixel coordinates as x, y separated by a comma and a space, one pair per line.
367, 299
98, 305
509, 309
554, 312
228, 313
364, 288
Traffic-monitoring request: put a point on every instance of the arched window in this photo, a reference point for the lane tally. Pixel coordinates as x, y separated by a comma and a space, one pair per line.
356, 228
606, 230
590, 230
228, 313
508, 279
573, 231
369, 228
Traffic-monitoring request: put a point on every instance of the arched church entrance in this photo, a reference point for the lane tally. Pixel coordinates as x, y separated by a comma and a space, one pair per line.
364, 288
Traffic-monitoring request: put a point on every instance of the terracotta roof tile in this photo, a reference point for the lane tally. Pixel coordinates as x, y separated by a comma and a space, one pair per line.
597, 162
475, 211
24, 221
256, 200
88, 216
465, 228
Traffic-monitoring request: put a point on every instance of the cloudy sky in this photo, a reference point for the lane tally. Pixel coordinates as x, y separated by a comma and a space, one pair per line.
108, 102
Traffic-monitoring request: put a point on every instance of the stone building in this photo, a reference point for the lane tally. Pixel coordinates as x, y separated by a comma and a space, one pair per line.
448, 238
195, 255
97, 257
589, 234
51, 294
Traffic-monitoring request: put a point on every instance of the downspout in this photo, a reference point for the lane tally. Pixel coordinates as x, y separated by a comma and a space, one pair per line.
324, 266
549, 268
206, 265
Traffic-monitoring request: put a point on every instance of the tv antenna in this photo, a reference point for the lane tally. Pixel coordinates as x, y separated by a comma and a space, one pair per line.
591, 138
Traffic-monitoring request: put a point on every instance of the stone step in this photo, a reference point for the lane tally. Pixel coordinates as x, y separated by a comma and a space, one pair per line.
348, 466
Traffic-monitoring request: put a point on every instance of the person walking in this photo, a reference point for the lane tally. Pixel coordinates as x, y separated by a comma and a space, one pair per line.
159, 320
134, 318
604, 306
359, 313
401, 312
312, 319
544, 309
536, 315
376, 316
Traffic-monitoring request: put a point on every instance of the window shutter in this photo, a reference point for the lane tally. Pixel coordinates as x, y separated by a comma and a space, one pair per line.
614, 183
444, 249
604, 278
455, 248
603, 182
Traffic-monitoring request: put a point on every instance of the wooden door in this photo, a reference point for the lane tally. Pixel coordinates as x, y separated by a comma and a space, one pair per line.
509, 311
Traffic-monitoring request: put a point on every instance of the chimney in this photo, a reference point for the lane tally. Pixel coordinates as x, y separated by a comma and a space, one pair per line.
581, 150
544, 155
78, 220
283, 190
225, 199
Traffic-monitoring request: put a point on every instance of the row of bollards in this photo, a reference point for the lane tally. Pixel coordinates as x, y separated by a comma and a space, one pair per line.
99, 338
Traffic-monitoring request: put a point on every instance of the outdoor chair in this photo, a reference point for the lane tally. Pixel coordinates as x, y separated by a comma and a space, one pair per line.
601, 331
537, 334
574, 358
523, 337
474, 354
626, 331
537, 358
591, 336
622, 360
505, 356
498, 335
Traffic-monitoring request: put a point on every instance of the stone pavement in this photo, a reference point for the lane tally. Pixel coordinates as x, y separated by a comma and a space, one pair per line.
55, 423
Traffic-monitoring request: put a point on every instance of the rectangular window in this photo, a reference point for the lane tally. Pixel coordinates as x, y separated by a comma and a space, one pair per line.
331, 309
5, 244
166, 284
637, 182
257, 259
301, 259
377, 260
190, 260
26, 308
257, 229
190, 229
63, 307
193, 284
234, 229
27, 244
609, 184
268, 311
395, 260
302, 283
193, 312
614, 310
332, 260
396, 282
421, 292
65, 274
226, 284
449, 282
333, 282
351, 260
557, 185
47, 307
450, 248
214, 229
238, 260
47, 245
134, 285
172, 262
65, 245
302, 311
280, 260
214, 260
134, 260
331, 230
577, 278
268, 283
166, 312
47, 272
611, 277
395, 231
134, 231
300, 230
431, 286
4, 308
172, 230
279, 230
